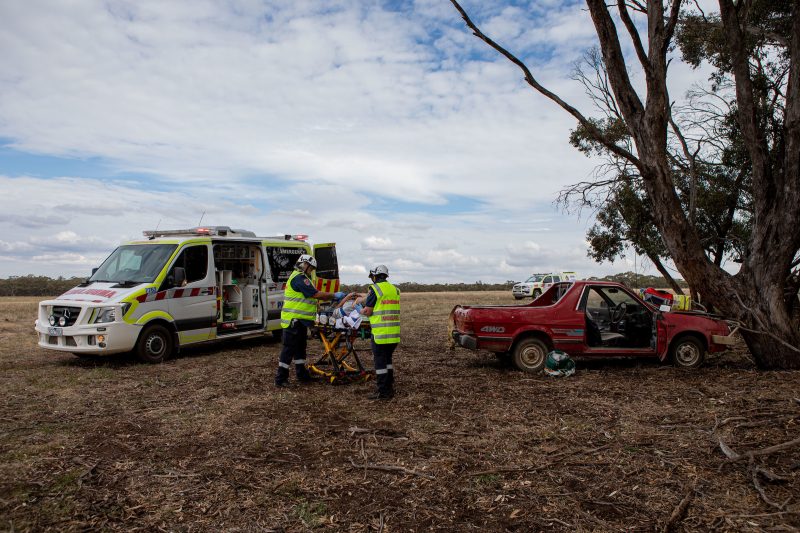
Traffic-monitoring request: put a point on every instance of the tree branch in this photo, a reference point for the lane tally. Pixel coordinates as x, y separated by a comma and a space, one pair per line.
634, 33
530, 80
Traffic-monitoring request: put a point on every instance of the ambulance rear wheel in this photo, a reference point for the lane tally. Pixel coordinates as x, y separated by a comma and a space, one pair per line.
155, 344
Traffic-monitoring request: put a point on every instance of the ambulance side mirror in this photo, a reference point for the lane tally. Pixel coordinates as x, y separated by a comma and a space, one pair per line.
178, 276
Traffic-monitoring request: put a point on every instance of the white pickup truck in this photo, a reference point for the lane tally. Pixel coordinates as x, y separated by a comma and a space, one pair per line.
535, 285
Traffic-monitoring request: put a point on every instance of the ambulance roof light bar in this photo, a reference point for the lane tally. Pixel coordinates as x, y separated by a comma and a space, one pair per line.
216, 231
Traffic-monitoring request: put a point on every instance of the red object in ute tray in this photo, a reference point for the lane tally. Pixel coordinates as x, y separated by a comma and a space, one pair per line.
657, 297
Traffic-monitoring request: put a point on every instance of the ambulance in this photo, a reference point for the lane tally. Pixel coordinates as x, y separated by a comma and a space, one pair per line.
177, 288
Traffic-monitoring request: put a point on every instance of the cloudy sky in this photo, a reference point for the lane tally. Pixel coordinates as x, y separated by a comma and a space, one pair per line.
385, 127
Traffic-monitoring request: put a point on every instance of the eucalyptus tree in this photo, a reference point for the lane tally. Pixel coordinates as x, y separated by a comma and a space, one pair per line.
755, 44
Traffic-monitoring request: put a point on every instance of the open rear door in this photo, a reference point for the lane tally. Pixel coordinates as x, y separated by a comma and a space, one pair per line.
327, 267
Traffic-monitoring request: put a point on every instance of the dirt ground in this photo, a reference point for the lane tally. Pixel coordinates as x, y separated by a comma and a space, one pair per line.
204, 442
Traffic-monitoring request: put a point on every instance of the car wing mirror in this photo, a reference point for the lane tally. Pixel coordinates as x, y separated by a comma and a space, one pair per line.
179, 276
94, 271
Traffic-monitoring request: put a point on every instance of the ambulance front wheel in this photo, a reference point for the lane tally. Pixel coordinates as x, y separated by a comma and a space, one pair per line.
155, 344
536, 293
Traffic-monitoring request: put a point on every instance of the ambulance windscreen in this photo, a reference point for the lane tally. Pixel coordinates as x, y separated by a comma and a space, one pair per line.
140, 263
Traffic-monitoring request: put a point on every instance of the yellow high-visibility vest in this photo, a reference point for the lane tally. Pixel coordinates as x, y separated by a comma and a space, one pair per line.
295, 304
385, 318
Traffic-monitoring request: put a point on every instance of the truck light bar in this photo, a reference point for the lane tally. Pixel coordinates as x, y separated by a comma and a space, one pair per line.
217, 231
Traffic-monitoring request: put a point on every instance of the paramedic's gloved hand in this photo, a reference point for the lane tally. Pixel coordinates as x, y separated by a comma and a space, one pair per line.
339, 295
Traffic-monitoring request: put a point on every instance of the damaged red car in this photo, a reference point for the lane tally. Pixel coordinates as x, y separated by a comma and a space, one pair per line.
589, 318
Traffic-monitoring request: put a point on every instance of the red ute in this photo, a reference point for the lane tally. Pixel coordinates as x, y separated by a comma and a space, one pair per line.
588, 318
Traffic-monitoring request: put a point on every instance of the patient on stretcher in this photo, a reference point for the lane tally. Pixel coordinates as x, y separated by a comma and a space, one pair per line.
347, 313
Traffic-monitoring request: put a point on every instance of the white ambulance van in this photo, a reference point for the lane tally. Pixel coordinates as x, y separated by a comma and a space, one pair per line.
180, 287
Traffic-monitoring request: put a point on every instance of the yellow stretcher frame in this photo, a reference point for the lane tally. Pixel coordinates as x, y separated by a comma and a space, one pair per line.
340, 364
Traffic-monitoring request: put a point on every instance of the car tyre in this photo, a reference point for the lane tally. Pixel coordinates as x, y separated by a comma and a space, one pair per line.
530, 355
536, 293
155, 344
517, 297
687, 352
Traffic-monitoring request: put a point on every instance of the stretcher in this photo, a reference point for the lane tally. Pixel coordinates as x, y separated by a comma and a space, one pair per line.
340, 362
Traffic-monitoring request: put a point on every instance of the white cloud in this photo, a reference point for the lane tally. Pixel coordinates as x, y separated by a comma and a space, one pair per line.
296, 117
376, 243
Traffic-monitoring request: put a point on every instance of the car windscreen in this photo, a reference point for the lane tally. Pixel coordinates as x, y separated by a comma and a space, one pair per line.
139, 263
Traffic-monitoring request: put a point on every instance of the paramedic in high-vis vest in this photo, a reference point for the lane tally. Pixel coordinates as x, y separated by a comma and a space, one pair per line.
298, 312
382, 306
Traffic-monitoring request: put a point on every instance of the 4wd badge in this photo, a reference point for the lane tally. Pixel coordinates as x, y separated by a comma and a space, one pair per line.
493, 329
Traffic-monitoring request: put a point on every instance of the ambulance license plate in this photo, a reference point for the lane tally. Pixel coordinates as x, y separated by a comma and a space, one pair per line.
55, 332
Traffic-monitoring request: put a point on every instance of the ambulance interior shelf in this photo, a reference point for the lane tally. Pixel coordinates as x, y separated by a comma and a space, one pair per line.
239, 269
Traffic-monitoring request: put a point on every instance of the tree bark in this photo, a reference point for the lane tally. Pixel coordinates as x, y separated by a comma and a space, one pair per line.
664, 272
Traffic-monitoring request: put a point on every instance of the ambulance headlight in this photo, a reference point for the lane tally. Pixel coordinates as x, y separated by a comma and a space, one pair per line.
109, 314
62, 321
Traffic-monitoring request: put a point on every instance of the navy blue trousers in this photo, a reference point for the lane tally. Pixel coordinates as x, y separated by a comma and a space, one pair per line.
384, 369
294, 340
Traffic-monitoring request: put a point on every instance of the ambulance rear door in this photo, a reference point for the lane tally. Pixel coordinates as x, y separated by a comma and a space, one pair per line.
327, 267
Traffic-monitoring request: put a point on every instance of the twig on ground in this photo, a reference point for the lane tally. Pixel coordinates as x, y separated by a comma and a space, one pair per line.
556, 520
680, 510
764, 451
392, 468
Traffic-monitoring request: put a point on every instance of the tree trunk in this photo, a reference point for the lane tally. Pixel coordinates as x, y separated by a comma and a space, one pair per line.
664, 272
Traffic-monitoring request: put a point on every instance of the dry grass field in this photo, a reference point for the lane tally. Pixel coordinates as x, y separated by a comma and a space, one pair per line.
204, 442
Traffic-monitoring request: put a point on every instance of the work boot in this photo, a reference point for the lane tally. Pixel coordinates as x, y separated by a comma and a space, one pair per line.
281, 384
303, 375
377, 395
282, 377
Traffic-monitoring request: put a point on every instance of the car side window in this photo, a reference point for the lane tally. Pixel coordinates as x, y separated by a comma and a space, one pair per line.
194, 260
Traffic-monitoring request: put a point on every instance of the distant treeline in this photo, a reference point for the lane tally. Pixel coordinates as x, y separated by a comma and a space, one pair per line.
631, 279
36, 285
45, 286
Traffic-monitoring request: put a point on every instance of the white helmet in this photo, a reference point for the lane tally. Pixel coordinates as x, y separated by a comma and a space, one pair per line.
305, 258
378, 270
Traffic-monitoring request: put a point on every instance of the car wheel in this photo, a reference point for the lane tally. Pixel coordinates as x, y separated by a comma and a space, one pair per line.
536, 293
530, 355
155, 344
517, 297
687, 352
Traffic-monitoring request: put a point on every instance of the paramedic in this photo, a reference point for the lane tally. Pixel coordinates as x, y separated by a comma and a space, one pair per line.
382, 306
298, 312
